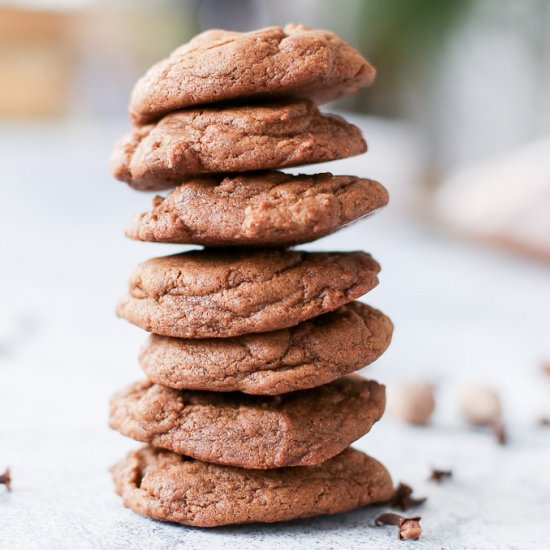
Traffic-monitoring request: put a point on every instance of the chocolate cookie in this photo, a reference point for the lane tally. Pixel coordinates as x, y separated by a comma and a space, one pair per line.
219, 65
231, 139
258, 209
300, 428
305, 356
169, 487
220, 293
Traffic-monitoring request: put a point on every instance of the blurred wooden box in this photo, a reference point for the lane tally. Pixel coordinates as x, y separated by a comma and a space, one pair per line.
37, 60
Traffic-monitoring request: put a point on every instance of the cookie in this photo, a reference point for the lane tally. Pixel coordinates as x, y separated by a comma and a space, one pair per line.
169, 487
300, 428
258, 209
217, 293
231, 139
220, 65
305, 356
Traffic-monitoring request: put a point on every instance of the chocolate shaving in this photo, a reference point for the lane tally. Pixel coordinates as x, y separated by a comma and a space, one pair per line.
403, 499
500, 433
5, 479
546, 368
409, 528
544, 421
440, 475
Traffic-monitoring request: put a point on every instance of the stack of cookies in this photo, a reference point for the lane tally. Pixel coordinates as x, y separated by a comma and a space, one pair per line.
249, 405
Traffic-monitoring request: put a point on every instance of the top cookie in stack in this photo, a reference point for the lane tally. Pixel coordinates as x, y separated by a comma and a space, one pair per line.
216, 120
218, 66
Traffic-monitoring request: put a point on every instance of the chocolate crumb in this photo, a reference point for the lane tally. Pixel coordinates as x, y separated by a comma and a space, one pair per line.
544, 421
403, 498
500, 433
546, 368
409, 528
5, 479
440, 475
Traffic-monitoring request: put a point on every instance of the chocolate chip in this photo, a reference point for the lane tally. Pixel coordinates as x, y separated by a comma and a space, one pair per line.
5, 479
440, 475
500, 432
409, 528
403, 498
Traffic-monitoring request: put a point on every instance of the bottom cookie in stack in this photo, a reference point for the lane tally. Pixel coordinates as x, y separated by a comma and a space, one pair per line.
169, 487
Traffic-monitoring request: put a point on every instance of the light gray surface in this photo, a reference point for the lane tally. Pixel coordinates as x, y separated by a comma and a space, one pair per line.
461, 314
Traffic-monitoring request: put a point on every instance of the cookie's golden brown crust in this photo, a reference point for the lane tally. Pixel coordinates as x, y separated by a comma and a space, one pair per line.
169, 487
217, 293
302, 428
305, 356
219, 65
242, 138
258, 209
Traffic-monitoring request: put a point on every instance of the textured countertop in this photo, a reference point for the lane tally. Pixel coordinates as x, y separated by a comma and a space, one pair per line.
462, 313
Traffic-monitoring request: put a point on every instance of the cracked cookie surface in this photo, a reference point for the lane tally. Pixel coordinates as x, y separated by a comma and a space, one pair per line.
299, 428
312, 353
258, 209
169, 487
217, 293
231, 139
219, 65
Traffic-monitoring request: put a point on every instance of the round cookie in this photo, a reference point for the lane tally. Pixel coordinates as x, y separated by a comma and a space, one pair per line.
258, 209
234, 138
307, 355
217, 293
168, 487
219, 65
300, 428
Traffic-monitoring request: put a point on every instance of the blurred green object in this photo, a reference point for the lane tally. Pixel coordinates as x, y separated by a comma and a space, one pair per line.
404, 39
